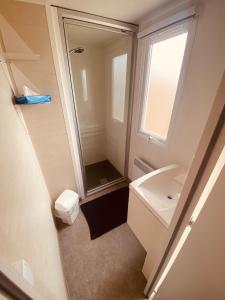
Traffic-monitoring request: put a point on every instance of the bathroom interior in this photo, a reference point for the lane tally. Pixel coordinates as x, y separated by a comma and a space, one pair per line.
112, 160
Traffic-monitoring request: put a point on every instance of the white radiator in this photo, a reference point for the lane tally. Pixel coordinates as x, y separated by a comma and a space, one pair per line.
140, 168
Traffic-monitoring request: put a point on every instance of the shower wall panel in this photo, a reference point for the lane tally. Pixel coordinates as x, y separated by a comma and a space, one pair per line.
89, 80
116, 128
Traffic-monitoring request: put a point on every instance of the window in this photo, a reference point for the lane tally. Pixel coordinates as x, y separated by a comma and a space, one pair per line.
119, 73
164, 61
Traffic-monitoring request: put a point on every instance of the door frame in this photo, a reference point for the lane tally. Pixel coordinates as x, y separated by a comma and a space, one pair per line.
55, 17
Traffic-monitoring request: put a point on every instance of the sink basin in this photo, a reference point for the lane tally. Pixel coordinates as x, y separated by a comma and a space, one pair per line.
160, 191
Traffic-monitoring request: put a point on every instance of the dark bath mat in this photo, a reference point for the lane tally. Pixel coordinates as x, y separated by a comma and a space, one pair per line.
106, 212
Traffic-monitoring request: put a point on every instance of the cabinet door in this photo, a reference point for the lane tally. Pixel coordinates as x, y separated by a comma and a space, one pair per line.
147, 228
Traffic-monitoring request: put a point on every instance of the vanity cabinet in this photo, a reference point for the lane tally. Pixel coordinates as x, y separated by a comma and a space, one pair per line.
148, 229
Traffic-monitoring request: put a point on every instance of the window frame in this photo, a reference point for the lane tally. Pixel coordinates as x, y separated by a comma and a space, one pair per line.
145, 47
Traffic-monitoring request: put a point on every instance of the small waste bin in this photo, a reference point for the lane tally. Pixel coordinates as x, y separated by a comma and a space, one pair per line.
67, 206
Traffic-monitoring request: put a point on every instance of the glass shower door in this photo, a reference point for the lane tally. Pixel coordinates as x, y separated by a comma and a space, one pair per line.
100, 71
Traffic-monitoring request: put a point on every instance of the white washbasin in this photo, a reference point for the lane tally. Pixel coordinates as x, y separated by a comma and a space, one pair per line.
160, 191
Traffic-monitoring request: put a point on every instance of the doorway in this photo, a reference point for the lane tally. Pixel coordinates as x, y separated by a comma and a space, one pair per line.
99, 60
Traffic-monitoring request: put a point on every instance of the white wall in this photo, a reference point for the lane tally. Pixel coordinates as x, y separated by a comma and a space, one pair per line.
24, 29
202, 78
91, 111
27, 229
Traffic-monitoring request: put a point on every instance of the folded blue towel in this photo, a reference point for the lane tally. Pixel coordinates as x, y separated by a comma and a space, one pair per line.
33, 99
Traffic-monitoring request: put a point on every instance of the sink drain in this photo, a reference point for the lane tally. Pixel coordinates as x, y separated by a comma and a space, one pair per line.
169, 197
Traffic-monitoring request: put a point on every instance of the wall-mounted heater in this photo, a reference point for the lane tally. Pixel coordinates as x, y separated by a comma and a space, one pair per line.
140, 168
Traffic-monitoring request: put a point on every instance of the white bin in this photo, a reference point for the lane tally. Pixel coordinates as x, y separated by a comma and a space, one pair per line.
67, 206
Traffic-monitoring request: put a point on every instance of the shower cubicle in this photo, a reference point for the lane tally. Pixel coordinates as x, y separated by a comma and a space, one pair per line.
99, 61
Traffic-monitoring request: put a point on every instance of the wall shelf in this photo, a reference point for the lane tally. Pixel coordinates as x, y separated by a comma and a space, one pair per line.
16, 56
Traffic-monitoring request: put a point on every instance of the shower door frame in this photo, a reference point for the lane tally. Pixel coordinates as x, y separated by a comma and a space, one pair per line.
92, 21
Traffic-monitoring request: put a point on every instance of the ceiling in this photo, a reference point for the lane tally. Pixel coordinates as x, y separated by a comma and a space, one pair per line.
125, 10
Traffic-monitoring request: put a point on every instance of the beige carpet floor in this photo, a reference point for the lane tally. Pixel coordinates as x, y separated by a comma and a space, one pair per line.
107, 268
